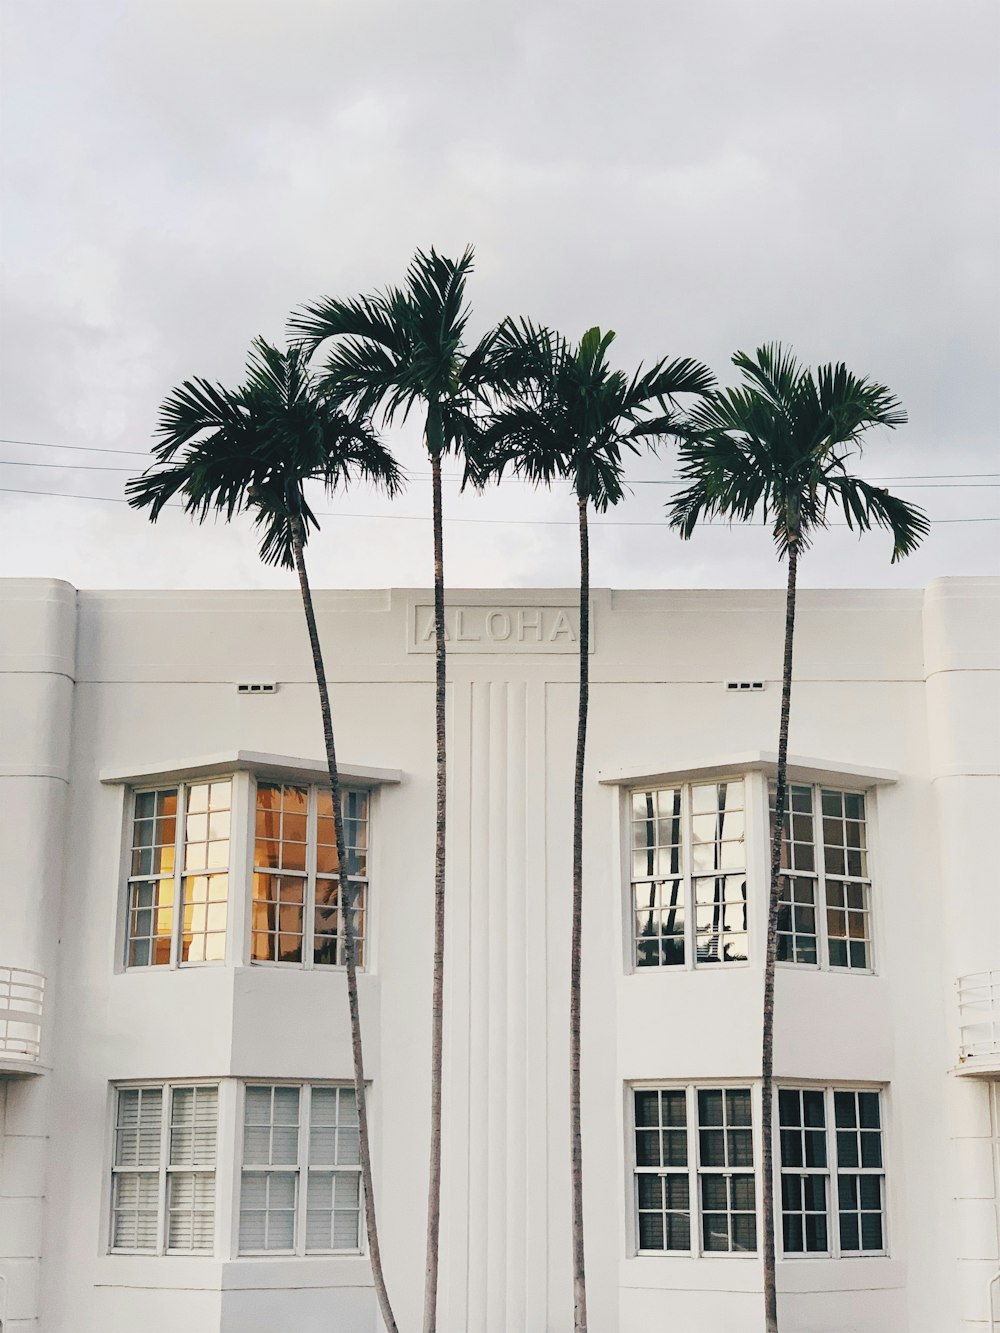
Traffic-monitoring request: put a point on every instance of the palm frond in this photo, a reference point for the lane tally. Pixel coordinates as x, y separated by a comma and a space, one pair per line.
253, 449
778, 445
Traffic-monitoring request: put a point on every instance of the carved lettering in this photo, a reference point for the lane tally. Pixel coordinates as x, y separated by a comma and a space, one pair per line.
498, 626
496, 629
562, 626
460, 634
529, 620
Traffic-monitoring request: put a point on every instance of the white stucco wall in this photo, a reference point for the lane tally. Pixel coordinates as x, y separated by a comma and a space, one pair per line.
898, 692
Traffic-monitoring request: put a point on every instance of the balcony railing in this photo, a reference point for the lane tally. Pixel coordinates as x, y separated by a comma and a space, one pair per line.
979, 1020
21, 993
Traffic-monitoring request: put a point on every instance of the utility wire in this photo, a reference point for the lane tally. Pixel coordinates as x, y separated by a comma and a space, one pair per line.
413, 476
517, 522
947, 485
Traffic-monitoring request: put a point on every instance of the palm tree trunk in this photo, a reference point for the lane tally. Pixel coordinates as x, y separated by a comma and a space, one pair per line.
437, 1000
347, 899
767, 1044
576, 1136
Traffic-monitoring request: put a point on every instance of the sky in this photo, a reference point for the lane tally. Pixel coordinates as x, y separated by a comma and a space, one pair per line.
699, 177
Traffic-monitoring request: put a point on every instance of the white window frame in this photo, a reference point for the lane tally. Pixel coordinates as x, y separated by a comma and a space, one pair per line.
831, 1172
309, 877
687, 875
180, 787
164, 1170
819, 877
300, 1170
695, 1171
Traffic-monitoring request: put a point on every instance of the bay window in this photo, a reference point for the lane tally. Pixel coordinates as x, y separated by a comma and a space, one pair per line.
178, 881
689, 875
825, 915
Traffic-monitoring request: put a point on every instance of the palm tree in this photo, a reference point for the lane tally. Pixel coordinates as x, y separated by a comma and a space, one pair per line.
391, 351
571, 417
779, 445
253, 449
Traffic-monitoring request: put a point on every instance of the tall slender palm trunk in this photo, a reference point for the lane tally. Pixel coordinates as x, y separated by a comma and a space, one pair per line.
576, 1135
767, 1045
437, 1000
347, 899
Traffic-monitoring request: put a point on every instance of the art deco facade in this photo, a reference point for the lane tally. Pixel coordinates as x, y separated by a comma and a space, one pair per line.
178, 1141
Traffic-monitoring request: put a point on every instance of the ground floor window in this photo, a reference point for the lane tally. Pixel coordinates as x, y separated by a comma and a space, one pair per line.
290, 1150
832, 1171
695, 1178
301, 1176
694, 1183
163, 1173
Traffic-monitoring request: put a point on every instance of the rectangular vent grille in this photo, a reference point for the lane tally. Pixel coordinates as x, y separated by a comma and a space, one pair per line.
744, 684
256, 687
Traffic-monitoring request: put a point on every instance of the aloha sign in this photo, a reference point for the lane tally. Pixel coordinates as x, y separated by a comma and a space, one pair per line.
498, 629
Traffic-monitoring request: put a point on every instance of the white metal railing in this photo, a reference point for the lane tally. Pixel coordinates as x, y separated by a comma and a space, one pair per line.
21, 994
979, 1015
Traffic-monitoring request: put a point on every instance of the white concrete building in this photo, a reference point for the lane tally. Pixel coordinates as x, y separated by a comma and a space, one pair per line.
177, 1148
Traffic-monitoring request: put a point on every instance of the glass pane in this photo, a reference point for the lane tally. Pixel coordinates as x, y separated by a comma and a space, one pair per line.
651, 1235
745, 1233
647, 1108
650, 1190
709, 1106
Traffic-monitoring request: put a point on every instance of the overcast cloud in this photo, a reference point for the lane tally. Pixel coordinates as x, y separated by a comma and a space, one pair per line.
700, 177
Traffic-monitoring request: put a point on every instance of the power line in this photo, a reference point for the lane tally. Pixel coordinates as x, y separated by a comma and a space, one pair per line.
516, 522
413, 476
950, 485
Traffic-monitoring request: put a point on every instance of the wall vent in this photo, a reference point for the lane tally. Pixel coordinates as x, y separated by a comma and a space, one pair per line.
744, 684
256, 687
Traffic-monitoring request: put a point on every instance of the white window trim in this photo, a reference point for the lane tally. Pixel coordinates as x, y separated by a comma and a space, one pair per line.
688, 877
819, 878
237, 870
832, 1171
691, 1090
166, 1088
307, 963
243, 768
300, 1170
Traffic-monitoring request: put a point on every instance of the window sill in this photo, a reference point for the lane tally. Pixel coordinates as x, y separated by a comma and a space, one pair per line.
801, 1276
177, 1272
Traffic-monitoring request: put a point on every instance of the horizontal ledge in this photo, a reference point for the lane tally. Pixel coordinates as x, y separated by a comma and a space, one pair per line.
800, 768
251, 761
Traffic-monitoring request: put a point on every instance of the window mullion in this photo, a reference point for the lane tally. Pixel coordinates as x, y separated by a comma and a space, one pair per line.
819, 843
180, 834
694, 1164
309, 886
166, 1113
833, 1167
687, 881
305, 1119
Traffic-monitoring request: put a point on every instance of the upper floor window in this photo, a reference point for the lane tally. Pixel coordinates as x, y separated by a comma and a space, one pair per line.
298, 908
163, 1172
832, 1171
178, 882
688, 874
825, 913
188, 842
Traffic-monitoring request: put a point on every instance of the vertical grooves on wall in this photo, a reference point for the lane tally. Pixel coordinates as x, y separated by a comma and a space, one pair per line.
479, 1006
517, 1036
495, 1269
535, 888
495, 913
453, 1299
